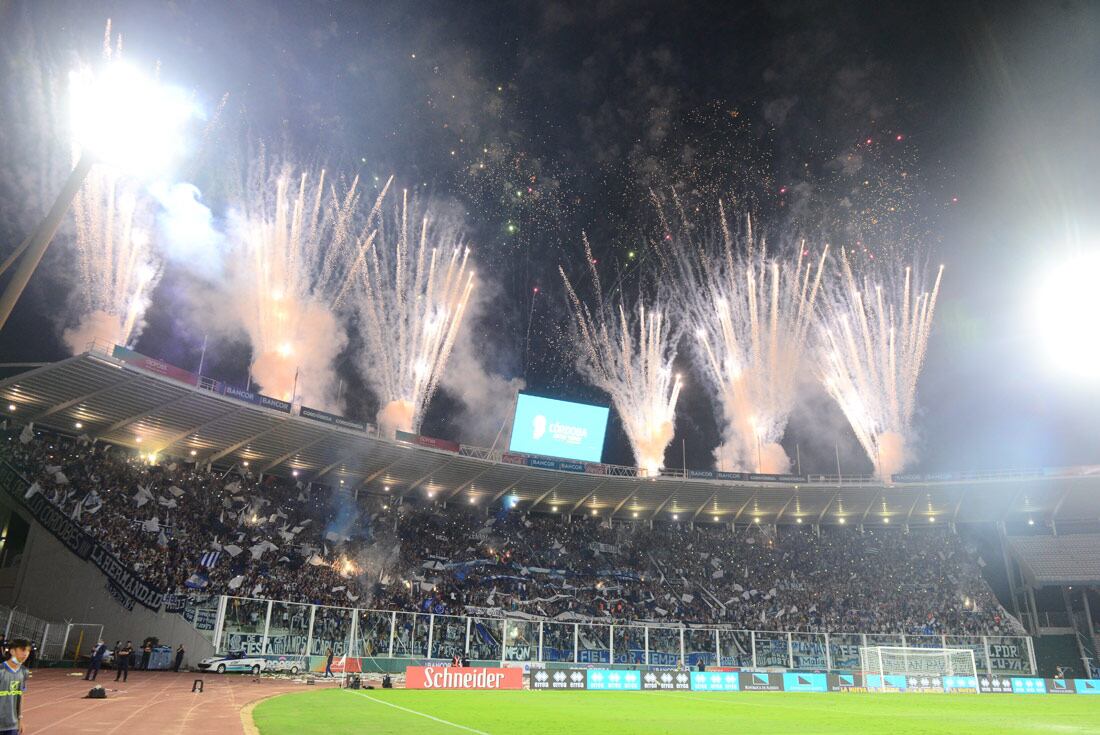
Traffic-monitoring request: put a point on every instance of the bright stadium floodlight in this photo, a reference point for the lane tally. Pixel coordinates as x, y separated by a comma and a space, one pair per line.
1065, 314
121, 118
126, 119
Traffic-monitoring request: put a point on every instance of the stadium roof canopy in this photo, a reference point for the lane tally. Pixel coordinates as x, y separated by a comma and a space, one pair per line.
1058, 560
118, 402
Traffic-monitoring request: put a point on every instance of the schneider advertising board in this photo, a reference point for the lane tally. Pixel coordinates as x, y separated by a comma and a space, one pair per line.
553, 428
446, 677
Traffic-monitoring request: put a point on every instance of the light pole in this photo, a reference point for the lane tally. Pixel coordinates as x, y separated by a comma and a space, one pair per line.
38, 242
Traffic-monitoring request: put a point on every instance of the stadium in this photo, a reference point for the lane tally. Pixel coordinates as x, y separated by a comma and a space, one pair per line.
552, 367
597, 612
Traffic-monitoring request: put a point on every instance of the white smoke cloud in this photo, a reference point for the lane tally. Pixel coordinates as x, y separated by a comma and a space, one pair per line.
187, 231
487, 396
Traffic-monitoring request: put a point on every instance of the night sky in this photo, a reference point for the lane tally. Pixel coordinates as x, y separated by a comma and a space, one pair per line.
956, 132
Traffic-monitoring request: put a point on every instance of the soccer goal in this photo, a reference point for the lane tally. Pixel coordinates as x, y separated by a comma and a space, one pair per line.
921, 662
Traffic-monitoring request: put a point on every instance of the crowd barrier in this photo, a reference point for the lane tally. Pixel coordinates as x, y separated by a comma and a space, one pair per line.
259, 627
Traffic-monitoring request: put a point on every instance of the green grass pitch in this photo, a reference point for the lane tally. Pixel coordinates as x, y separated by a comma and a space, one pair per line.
336, 711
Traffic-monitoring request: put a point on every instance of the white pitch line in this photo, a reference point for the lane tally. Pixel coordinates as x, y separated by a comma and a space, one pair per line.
422, 714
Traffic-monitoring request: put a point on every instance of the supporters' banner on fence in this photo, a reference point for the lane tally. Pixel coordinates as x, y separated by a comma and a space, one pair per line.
428, 441
666, 680
558, 679
257, 399
46, 513
126, 580
446, 677
175, 603
153, 365
330, 418
1009, 656
120, 595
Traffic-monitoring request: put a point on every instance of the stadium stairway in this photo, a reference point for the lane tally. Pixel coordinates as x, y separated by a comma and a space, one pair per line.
1052, 651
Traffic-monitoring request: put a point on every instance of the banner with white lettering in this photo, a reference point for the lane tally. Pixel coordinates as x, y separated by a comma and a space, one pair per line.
125, 578
46, 513
448, 677
120, 595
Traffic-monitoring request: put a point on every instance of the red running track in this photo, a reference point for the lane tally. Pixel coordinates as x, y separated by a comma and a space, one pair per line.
150, 702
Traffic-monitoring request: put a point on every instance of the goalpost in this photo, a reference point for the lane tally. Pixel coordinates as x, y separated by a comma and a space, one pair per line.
919, 662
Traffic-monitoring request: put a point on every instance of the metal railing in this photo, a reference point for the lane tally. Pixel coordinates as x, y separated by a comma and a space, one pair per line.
261, 627
56, 641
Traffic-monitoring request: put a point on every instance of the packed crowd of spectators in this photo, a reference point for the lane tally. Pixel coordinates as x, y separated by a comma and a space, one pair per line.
189, 529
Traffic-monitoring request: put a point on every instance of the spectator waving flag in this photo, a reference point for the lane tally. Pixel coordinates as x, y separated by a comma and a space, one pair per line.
197, 581
209, 559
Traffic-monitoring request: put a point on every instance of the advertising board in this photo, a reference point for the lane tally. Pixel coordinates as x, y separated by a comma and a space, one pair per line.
558, 679
671, 680
448, 677
761, 681
613, 680
715, 681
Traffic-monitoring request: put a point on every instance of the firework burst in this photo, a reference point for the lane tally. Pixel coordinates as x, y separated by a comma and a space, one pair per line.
630, 357
753, 313
872, 348
410, 291
117, 269
297, 247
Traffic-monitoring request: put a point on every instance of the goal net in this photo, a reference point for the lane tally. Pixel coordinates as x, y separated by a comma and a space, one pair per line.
920, 662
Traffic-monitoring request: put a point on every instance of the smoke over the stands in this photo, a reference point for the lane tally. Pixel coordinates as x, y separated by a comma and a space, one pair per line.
477, 375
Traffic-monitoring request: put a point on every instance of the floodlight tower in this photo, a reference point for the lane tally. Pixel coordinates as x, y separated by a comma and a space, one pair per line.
120, 118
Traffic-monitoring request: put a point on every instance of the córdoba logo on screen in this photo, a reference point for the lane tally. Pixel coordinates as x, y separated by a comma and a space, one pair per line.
539, 427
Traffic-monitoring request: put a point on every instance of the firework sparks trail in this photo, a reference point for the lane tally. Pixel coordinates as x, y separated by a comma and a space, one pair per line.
410, 290
753, 314
872, 350
117, 269
298, 251
630, 357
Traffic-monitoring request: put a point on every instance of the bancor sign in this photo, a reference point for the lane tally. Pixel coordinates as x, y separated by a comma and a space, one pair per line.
446, 677
555, 428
